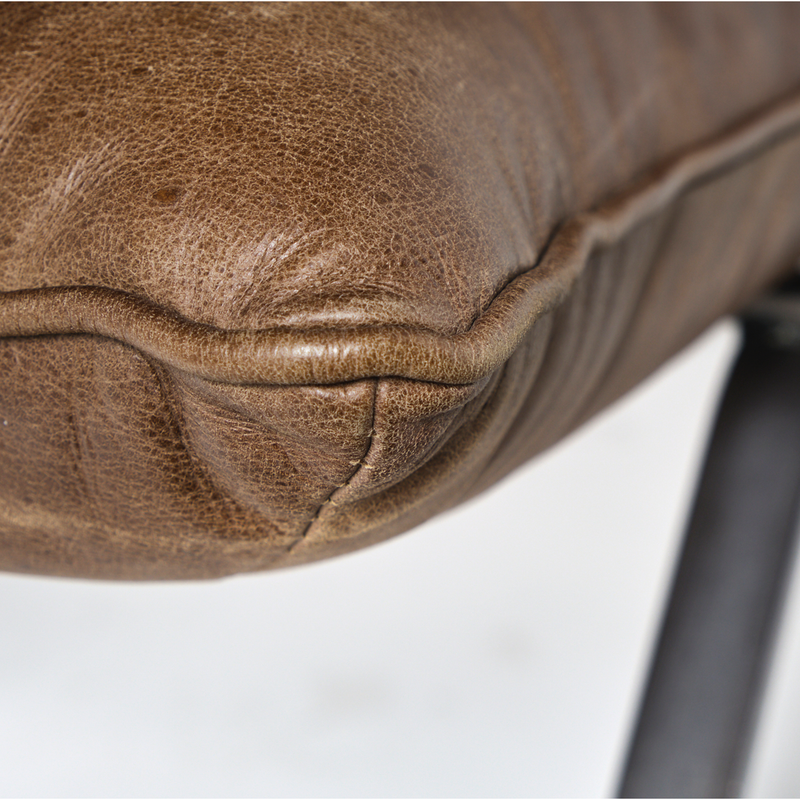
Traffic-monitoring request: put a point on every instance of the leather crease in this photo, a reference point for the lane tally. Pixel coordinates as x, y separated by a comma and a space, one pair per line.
359, 465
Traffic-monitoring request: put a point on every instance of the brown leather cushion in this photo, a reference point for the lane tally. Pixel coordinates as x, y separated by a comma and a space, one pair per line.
281, 282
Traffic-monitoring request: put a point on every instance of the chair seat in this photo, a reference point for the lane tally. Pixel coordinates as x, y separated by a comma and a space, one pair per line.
279, 282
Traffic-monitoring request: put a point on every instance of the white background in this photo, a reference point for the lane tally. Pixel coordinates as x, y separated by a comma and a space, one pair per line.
497, 651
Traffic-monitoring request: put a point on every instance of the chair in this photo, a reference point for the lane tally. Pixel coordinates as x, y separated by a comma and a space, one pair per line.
280, 282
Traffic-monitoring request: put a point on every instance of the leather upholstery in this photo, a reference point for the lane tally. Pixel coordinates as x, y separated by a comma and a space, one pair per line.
278, 282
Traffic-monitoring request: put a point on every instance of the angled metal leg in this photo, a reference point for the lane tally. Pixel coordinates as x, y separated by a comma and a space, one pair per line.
696, 720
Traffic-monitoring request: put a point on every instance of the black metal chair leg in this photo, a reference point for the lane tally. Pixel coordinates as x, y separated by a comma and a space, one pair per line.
697, 717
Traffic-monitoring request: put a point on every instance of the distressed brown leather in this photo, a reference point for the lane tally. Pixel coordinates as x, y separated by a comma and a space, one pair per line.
278, 282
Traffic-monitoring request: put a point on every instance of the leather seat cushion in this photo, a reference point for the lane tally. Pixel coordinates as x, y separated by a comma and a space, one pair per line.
279, 282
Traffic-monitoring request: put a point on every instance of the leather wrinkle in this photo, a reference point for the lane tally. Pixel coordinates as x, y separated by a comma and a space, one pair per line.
467, 492
600, 379
172, 402
76, 452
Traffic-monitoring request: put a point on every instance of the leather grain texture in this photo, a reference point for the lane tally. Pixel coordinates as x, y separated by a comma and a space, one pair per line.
281, 281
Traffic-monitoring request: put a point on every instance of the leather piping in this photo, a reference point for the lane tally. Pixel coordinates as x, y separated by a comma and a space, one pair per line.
284, 356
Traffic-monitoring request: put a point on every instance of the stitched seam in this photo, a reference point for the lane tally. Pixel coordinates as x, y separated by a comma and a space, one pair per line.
359, 465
